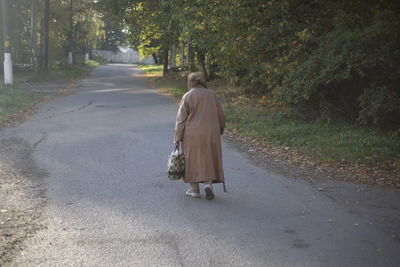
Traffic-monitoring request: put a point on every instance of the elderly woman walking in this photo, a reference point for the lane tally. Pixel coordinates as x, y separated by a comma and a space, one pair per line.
200, 122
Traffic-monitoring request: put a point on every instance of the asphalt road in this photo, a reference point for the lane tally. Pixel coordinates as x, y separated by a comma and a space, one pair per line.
110, 202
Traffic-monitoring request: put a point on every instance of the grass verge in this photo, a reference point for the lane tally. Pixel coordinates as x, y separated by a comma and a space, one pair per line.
60, 72
371, 155
151, 69
15, 100
327, 142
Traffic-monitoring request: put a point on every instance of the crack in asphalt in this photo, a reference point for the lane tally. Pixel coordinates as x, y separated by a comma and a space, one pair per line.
85, 106
44, 137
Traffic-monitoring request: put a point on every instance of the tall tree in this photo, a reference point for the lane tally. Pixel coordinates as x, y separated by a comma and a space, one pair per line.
33, 39
44, 37
70, 33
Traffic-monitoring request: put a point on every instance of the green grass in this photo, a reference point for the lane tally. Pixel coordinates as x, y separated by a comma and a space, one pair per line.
14, 100
151, 69
175, 87
174, 83
64, 72
330, 143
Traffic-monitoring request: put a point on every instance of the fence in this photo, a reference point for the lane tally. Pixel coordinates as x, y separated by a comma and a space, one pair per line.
128, 57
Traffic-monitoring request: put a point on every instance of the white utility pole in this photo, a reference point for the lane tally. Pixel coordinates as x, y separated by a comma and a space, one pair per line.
70, 34
87, 41
70, 59
8, 68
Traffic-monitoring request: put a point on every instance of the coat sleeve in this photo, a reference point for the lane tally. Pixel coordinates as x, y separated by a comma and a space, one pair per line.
181, 118
221, 116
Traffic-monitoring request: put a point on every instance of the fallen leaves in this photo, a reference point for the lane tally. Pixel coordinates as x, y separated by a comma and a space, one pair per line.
386, 174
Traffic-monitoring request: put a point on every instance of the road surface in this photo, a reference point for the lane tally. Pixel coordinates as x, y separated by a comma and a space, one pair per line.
110, 203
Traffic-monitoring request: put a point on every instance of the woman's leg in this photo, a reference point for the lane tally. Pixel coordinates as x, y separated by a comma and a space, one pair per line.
195, 186
209, 190
194, 190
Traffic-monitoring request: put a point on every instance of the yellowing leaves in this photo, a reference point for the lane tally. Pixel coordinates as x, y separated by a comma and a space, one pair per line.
303, 35
200, 26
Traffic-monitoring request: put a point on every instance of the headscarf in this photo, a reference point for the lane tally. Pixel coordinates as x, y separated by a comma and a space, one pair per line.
196, 79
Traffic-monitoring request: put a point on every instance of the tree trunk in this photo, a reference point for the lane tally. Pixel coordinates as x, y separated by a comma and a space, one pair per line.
44, 40
188, 53
70, 34
202, 61
87, 38
183, 47
33, 40
173, 52
155, 58
165, 69
6, 36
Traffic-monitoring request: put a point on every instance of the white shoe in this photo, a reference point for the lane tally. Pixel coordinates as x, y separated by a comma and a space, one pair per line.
193, 193
209, 192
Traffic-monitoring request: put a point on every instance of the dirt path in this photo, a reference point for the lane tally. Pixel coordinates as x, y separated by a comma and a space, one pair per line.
22, 183
22, 196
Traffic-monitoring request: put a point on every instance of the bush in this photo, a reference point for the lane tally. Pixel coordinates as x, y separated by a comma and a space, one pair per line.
317, 57
380, 105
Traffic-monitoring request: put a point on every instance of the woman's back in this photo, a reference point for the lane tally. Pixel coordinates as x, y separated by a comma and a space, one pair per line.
202, 108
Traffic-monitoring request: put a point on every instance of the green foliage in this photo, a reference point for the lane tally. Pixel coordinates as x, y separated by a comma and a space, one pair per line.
361, 49
377, 102
319, 56
86, 27
112, 38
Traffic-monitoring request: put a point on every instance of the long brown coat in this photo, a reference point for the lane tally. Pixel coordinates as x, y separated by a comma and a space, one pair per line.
199, 123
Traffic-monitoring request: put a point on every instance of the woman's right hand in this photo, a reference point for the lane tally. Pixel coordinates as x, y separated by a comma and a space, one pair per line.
176, 144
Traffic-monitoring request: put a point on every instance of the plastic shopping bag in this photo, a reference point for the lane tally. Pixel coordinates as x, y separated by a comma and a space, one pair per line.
176, 164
